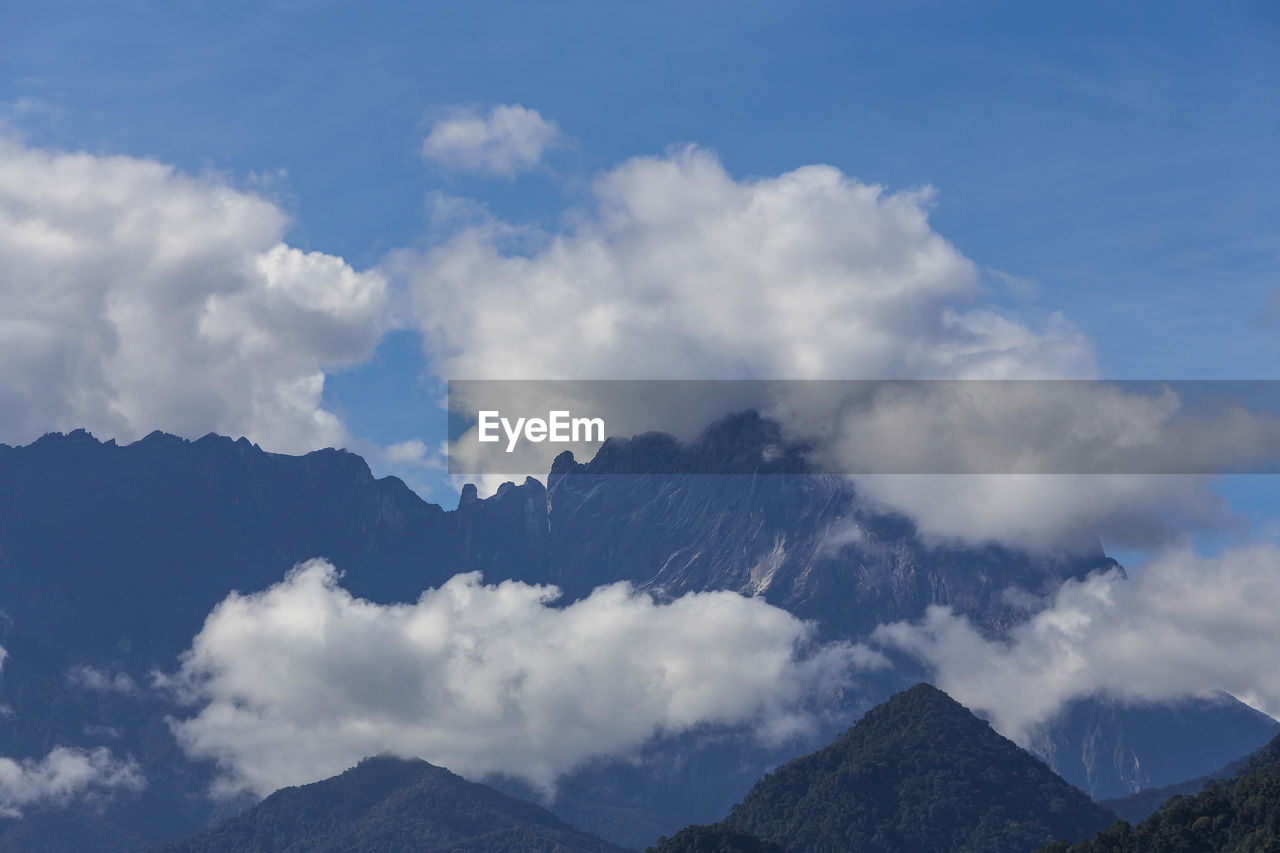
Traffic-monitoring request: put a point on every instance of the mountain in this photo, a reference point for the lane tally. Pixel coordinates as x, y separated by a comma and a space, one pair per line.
112, 556
918, 774
52, 701
384, 804
1109, 748
675, 780
117, 553
1134, 807
716, 838
1239, 816
801, 540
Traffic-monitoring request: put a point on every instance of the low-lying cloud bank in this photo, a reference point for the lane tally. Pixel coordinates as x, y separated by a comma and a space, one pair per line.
300, 681
1183, 625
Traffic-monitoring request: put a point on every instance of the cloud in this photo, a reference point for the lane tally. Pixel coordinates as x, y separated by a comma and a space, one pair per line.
681, 271
1064, 513
509, 140
1048, 465
66, 773
414, 453
678, 270
301, 680
1019, 287
1183, 625
92, 678
138, 298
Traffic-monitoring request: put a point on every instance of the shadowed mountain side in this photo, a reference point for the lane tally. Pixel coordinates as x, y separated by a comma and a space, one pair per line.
1237, 816
118, 553
1109, 749
1134, 807
52, 702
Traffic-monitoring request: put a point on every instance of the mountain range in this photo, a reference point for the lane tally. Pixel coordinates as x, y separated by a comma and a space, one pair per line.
111, 558
160, 530
917, 774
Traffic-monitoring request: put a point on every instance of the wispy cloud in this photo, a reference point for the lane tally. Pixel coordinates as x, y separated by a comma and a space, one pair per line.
63, 775
509, 139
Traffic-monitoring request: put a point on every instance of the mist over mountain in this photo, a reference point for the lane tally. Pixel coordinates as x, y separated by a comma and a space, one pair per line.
89, 760
800, 540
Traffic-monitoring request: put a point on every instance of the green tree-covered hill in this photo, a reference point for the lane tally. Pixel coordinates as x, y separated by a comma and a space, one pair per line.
385, 804
918, 774
715, 838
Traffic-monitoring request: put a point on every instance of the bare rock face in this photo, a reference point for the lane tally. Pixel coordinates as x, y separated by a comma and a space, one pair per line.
800, 540
1110, 749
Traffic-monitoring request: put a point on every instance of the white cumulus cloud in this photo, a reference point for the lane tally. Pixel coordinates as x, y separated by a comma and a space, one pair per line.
508, 140
299, 681
682, 271
1183, 625
134, 297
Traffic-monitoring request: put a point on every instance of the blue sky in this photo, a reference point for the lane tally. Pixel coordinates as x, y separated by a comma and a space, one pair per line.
1120, 158
1111, 163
